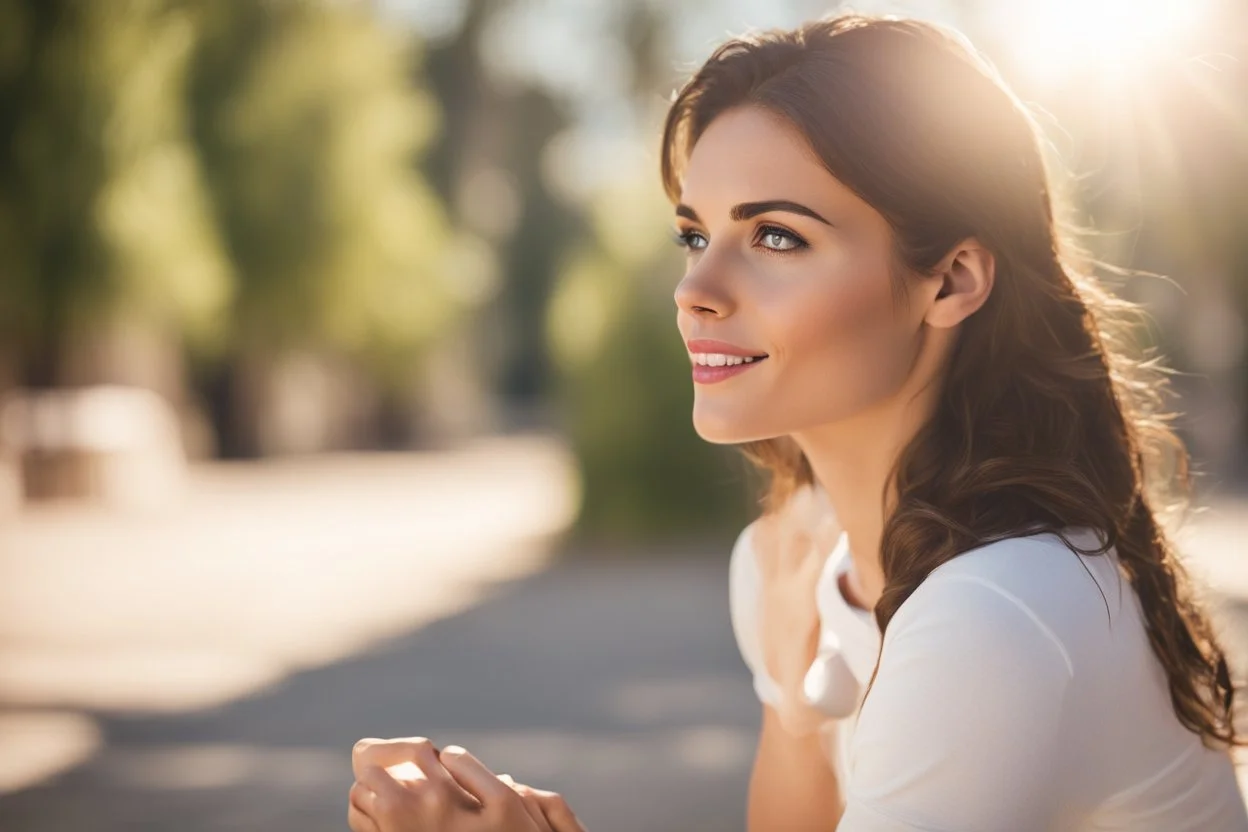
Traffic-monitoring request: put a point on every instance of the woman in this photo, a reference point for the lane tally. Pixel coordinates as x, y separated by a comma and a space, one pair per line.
880, 310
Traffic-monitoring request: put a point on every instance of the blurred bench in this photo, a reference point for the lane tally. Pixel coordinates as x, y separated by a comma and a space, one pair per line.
113, 445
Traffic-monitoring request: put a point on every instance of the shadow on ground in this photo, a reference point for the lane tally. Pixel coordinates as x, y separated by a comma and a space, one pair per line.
616, 683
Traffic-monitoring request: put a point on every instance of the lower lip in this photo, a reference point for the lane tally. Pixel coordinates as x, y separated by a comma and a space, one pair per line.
710, 375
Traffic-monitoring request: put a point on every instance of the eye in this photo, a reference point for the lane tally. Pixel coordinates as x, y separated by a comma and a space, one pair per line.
774, 238
690, 240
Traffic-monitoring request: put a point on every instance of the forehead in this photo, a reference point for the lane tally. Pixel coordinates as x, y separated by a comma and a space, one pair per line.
748, 153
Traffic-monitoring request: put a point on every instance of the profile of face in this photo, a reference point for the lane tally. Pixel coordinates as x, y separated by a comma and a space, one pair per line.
784, 261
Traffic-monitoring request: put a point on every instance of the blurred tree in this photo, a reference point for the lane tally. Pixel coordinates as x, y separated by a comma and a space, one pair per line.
102, 215
545, 228
488, 165
310, 129
455, 73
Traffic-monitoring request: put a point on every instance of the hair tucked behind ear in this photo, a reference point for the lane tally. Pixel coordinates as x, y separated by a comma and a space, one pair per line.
1045, 418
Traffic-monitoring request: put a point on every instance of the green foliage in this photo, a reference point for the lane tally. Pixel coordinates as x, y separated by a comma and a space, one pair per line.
241, 172
101, 208
310, 129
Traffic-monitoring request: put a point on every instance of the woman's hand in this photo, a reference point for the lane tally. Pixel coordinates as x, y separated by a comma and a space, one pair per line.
791, 546
407, 785
546, 806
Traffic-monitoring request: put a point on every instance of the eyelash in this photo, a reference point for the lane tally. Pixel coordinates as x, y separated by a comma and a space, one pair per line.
768, 230
685, 239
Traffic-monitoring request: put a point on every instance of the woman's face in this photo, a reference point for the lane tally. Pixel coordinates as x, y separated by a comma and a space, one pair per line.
785, 262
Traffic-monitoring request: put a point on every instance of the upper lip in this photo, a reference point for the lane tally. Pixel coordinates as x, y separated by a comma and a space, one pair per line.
705, 345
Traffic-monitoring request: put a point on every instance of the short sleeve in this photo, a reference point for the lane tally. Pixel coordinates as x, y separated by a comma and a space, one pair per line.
744, 586
962, 729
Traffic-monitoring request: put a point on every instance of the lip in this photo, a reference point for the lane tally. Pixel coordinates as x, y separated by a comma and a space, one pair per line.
722, 347
711, 375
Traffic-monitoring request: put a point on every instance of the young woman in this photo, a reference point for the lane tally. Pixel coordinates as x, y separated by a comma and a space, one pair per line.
880, 310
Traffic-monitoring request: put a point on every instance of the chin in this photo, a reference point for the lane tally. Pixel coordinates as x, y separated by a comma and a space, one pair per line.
717, 437
719, 429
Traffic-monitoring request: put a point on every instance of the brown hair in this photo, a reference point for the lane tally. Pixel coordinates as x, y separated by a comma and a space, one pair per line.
1044, 420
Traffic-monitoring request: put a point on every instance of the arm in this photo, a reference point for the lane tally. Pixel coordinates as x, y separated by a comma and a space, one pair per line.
963, 728
792, 785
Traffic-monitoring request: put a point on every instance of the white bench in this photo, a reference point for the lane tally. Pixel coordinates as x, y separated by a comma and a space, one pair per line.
119, 446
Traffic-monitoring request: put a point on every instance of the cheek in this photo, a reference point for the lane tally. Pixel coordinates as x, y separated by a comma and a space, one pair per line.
843, 342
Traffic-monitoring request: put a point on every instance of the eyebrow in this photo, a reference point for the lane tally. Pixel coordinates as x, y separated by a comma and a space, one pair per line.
746, 210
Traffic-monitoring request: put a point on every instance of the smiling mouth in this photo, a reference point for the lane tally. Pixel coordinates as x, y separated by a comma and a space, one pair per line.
712, 359
720, 367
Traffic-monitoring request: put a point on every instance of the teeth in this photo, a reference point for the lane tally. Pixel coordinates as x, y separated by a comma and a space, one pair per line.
715, 359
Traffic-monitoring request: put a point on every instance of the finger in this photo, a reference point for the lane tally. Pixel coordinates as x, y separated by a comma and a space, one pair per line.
376, 785
532, 806
409, 760
398, 755
510, 782
558, 814
389, 801
473, 775
361, 797
357, 821
384, 753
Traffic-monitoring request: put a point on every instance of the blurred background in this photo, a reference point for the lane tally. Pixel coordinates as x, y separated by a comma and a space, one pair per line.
340, 392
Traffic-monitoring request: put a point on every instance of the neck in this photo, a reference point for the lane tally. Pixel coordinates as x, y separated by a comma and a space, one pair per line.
852, 462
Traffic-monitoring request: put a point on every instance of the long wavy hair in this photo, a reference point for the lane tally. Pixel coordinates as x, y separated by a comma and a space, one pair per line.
1046, 420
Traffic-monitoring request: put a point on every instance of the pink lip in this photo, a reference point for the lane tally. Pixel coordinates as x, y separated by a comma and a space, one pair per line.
712, 375
709, 345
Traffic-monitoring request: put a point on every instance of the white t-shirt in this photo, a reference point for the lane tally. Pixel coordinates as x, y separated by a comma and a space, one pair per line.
1010, 697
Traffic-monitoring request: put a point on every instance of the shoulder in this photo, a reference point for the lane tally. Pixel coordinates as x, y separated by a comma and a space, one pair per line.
970, 699
1018, 590
1022, 560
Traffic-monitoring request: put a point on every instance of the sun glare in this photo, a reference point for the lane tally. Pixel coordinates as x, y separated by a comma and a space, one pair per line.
1116, 39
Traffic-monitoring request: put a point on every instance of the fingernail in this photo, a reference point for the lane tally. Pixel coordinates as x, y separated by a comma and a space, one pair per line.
454, 749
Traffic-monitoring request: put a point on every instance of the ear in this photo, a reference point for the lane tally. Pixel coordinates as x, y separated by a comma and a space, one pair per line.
964, 277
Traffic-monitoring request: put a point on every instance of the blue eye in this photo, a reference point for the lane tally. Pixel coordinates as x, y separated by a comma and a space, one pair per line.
690, 240
774, 238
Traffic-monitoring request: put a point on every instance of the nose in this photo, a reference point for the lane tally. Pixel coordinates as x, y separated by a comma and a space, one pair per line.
701, 294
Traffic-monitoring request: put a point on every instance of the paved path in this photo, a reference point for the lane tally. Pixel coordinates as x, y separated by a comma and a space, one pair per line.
644, 696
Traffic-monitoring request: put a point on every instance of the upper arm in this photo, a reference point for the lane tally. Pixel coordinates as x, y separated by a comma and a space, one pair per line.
962, 729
